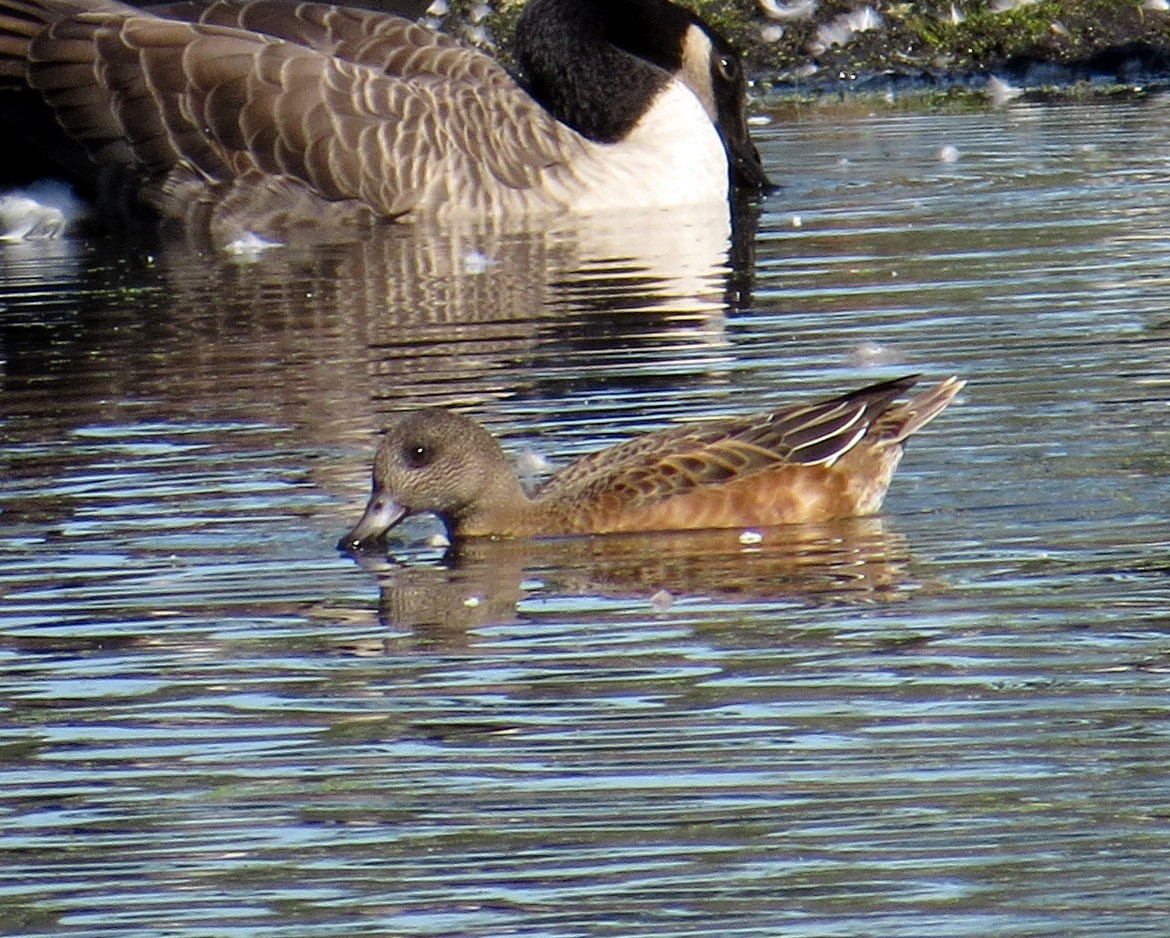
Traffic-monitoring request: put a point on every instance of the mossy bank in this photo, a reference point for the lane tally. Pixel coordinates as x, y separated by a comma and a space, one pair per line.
812, 47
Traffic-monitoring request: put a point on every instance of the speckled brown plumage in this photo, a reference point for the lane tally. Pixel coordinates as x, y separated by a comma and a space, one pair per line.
220, 116
818, 462
252, 115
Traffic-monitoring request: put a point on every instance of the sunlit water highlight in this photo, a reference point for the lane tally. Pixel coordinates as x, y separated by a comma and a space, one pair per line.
950, 720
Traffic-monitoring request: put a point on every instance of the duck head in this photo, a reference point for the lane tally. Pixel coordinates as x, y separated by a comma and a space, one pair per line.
436, 461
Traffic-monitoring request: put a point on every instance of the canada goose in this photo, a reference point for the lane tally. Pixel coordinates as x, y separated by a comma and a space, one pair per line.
251, 115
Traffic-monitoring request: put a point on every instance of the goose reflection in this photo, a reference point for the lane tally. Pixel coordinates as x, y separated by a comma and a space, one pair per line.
327, 341
413, 314
484, 582
441, 315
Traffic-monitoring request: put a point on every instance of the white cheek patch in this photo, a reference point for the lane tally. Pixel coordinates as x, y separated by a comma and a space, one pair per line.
696, 68
673, 156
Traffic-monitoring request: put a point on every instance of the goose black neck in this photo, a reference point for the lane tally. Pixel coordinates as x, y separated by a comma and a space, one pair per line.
597, 64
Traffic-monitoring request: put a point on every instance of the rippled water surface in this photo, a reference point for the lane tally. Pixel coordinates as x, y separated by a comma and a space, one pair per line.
953, 719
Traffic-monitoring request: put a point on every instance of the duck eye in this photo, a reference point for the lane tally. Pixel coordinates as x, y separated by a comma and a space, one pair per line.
727, 67
417, 455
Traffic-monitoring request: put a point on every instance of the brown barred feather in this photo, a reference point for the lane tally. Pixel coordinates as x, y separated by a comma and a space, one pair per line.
371, 112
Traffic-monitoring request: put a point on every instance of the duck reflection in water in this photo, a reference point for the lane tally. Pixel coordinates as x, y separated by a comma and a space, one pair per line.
830, 462
483, 582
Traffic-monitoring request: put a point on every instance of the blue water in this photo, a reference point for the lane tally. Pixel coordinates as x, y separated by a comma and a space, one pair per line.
949, 720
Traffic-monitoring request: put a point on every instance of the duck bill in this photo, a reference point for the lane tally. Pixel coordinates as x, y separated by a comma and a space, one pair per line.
381, 514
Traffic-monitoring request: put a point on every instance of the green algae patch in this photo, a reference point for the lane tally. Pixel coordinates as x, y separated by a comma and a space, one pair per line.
1083, 47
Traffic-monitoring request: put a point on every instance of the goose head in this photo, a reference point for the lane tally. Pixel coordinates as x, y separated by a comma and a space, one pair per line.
597, 66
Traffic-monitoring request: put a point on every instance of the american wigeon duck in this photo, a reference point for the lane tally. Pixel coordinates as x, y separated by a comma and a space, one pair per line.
250, 115
803, 463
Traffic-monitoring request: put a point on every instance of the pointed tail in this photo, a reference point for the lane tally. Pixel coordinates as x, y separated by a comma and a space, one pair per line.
900, 422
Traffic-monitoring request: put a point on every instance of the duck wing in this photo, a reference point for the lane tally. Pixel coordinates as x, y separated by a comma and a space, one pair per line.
676, 461
347, 104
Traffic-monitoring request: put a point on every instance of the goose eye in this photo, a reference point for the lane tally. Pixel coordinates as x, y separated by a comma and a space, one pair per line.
727, 67
417, 455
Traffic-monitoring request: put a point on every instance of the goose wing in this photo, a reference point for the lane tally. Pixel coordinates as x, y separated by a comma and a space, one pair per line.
391, 42
353, 105
679, 460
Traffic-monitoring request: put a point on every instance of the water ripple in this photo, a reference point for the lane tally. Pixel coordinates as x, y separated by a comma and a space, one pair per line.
950, 720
